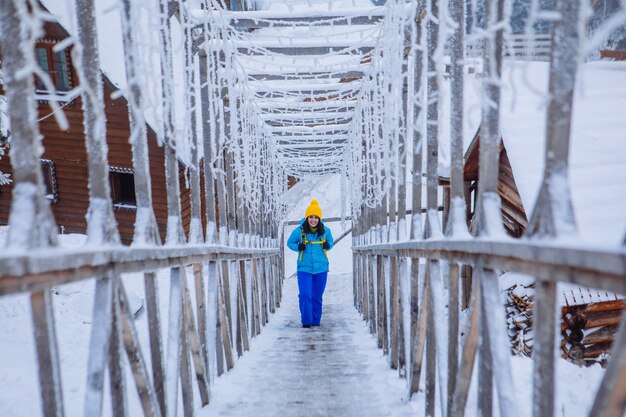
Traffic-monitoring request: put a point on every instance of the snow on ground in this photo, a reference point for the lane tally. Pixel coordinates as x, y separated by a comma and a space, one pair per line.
19, 396
333, 370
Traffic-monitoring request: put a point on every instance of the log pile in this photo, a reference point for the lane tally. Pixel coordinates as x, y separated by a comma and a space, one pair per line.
519, 313
588, 330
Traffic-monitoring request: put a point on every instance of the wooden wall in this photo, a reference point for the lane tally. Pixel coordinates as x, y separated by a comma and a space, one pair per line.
67, 150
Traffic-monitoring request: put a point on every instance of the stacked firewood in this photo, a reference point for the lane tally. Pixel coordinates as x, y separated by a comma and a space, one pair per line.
519, 314
588, 330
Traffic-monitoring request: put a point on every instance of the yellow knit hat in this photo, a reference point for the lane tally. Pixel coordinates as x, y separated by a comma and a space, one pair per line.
313, 209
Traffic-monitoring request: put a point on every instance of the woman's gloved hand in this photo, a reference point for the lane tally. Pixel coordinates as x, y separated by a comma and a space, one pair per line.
326, 245
301, 247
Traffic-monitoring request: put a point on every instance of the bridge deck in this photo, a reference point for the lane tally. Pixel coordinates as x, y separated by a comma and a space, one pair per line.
334, 370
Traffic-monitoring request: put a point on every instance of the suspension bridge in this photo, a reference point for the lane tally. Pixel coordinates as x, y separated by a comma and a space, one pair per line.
243, 104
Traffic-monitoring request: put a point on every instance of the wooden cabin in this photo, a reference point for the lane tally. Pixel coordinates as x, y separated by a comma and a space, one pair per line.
64, 161
514, 216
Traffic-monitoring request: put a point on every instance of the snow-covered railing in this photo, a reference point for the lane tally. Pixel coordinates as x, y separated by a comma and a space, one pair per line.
234, 263
408, 285
522, 47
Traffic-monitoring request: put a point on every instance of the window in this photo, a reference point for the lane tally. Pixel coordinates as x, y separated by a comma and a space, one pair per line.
123, 188
48, 170
56, 64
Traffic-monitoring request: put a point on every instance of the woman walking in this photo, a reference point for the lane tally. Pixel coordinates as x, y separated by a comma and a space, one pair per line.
312, 240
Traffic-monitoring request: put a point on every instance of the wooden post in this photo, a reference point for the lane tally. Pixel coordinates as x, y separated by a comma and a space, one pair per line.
175, 232
488, 207
209, 137
553, 215
101, 223
146, 230
36, 228
433, 225
456, 219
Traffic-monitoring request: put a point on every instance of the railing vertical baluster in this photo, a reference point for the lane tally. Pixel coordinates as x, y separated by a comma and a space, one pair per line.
117, 381
99, 340
387, 294
226, 333
372, 293
453, 331
381, 314
418, 339
266, 272
393, 310
219, 320
156, 341
403, 327
185, 364
146, 391
256, 312
47, 353
196, 347
243, 310
201, 311
249, 298
431, 347
172, 364
495, 319
610, 398
468, 357
485, 360
211, 321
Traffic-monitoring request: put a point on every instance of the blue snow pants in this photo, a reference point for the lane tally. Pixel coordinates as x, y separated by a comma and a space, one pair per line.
311, 288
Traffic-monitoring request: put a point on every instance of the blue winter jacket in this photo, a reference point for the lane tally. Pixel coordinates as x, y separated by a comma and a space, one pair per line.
313, 260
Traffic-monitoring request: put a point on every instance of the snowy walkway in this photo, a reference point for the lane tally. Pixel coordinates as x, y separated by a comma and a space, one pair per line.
334, 370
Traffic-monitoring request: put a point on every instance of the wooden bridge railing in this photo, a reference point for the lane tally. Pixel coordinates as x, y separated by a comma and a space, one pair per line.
234, 285
407, 285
